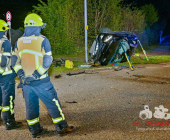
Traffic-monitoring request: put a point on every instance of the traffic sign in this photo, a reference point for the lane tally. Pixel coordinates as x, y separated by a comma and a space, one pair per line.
8, 16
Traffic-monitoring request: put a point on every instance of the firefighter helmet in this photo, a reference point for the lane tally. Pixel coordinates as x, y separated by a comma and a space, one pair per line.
3, 25
33, 20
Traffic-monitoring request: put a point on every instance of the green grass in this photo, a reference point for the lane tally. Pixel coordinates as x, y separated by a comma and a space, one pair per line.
63, 69
135, 60
152, 60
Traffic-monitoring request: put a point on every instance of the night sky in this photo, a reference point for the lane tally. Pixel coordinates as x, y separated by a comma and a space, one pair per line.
162, 6
20, 8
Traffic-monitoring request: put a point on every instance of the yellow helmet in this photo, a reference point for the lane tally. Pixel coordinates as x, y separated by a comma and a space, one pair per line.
33, 20
3, 25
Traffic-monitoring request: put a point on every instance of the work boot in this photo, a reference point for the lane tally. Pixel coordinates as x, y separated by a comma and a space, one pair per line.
34, 135
11, 125
40, 132
63, 128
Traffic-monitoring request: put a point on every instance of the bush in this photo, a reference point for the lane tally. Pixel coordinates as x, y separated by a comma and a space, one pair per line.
151, 15
63, 28
133, 20
65, 21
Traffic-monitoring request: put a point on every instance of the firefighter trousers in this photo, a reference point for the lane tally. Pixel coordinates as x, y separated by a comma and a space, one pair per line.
7, 96
48, 95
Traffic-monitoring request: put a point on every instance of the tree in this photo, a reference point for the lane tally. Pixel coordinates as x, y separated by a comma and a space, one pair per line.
151, 15
65, 21
64, 24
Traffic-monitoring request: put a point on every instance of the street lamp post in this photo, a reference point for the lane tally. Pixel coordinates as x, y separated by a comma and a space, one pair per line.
86, 28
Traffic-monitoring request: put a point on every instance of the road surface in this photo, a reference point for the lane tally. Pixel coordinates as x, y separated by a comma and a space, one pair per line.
106, 105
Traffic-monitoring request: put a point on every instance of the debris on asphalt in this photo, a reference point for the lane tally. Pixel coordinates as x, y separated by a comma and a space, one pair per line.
140, 67
162, 64
137, 74
69, 64
71, 102
57, 62
117, 68
85, 66
58, 76
75, 73
91, 72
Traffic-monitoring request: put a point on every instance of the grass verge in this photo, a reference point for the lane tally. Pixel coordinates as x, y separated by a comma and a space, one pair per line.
134, 60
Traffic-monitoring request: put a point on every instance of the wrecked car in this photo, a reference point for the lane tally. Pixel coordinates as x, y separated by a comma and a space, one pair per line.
110, 46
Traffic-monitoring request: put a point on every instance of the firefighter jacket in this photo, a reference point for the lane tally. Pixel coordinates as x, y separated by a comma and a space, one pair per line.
5, 57
32, 55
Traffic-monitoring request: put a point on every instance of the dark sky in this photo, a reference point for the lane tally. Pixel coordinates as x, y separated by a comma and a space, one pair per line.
162, 6
20, 8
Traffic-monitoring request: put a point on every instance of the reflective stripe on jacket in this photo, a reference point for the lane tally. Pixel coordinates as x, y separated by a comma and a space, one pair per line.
7, 69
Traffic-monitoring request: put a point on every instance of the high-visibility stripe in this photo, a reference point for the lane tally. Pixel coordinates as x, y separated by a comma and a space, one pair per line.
29, 51
57, 120
0, 57
11, 105
0, 107
5, 108
1, 70
44, 76
49, 53
7, 72
33, 121
59, 108
36, 61
6, 54
17, 67
41, 70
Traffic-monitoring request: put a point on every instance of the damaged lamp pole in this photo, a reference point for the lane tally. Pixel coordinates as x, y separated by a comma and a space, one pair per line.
86, 28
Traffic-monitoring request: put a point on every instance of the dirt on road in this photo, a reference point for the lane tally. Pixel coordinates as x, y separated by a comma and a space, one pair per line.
105, 104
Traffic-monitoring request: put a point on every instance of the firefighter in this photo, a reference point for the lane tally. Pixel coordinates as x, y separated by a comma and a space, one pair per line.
31, 59
7, 80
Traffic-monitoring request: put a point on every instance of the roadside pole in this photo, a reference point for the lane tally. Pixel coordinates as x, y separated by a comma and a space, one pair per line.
8, 18
86, 28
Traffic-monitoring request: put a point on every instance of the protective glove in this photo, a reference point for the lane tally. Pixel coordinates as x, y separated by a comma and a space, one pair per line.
23, 81
27, 80
21, 75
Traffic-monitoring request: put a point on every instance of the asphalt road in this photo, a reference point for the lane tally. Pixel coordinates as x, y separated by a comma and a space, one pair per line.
105, 104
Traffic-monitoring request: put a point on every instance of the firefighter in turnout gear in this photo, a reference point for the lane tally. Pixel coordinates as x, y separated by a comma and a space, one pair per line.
31, 59
7, 80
